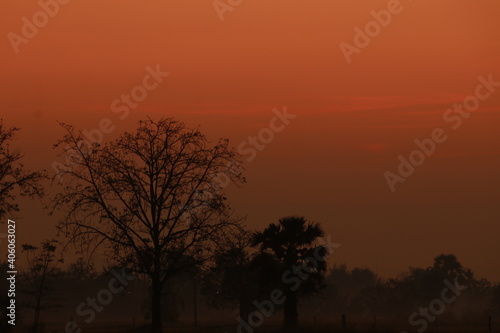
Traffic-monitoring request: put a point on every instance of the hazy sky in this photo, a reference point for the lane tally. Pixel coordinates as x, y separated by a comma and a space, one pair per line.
353, 119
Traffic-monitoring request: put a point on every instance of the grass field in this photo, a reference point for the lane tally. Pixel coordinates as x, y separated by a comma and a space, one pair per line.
381, 326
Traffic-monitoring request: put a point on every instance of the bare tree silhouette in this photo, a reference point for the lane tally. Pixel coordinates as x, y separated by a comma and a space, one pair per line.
229, 281
14, 179
42, 267
153, 197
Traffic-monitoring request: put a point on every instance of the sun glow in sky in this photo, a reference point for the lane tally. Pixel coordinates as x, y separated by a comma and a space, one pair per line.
353, 119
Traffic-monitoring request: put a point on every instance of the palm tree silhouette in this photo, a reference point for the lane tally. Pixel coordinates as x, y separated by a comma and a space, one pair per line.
291, 245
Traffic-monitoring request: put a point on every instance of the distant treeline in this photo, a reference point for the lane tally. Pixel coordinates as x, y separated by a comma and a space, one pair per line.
358, 293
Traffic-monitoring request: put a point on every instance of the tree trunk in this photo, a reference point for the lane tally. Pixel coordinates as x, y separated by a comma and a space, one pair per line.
37, 316
195, 301
156, 322
291, 315
35, 321
243, 306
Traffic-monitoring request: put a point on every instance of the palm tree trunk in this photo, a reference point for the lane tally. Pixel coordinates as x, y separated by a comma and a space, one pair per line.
243, 306
156, 322
37, 316
291, 314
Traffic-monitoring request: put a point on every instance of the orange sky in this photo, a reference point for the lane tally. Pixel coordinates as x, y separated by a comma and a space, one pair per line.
353, 120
